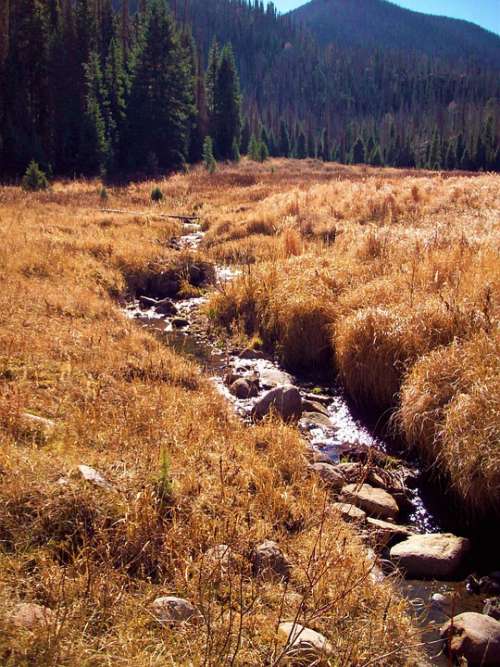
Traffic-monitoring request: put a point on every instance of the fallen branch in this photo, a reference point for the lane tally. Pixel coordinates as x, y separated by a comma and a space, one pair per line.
168, 216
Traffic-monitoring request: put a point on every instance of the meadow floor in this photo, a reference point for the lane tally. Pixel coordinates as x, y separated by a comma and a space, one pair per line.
389, 278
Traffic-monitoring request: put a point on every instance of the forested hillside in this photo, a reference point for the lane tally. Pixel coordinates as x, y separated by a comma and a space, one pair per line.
377, 24
96, 86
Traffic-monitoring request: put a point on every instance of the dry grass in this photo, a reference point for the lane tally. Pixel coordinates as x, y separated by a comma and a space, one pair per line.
121, 402
383, 268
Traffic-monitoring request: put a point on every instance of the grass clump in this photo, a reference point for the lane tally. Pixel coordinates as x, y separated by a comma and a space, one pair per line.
450, 403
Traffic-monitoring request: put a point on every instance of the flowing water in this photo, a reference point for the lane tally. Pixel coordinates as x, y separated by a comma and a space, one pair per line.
346, 431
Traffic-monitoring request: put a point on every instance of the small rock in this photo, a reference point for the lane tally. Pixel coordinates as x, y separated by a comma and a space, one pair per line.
388, 532
441, 601
272, 377
314, 406
437, 556
180, 322
248, 353
492, 608
315, 420
170, 609
35, 422
319, 398
146, 302
321, 457
473, 636
328, 474
304, 643
375, 502
489, 586
353, 472
91, 475
220, 556
166, 307
231, 377
30, 615
243, 389
350, 512
286, 401
269, 562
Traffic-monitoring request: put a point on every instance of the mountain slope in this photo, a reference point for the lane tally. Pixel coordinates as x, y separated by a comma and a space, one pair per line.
383, 25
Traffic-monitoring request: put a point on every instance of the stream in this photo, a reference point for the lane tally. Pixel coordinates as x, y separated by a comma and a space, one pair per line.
340, 436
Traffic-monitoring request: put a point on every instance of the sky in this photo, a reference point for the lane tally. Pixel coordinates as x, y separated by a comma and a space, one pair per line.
483, 12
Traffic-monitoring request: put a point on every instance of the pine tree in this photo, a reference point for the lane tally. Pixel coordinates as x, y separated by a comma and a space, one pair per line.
246, 134
284, 142
376, 157
358, 152
214, 58
208, 155
301, 148
311, 144
116, 86
227, 106
254, 149
435, 154
94, 147
162, 96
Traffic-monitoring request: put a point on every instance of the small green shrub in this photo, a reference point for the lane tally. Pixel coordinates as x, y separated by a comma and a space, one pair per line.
208, 155
103, 195
164, 487
34, 178
156, 195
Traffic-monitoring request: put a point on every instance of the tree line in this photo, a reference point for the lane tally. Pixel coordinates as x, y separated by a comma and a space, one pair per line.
107, 87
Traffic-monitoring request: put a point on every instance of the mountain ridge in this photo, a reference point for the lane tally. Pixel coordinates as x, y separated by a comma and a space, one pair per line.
378, 24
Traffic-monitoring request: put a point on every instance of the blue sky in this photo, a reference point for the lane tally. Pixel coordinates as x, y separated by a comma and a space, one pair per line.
483, 12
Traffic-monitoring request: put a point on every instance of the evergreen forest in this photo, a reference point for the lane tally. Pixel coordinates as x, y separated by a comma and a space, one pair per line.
117, 88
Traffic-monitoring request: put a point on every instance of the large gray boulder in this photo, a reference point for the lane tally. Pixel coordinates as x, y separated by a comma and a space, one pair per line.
375, 502
433, 556
285, 401
473, 636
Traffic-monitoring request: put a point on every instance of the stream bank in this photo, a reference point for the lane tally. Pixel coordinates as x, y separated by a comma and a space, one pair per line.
343, 451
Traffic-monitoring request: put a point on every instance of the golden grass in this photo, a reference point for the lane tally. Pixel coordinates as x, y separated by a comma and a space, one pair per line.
122, 401
384, 268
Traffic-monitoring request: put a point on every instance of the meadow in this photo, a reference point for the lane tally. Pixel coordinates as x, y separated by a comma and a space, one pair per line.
391, 279
180, 474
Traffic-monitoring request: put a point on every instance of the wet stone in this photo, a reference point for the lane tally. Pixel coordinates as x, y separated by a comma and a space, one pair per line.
492, 608
285, 401
315, 420
473, 636
375, 502
314, 406
180, 322
437, 555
